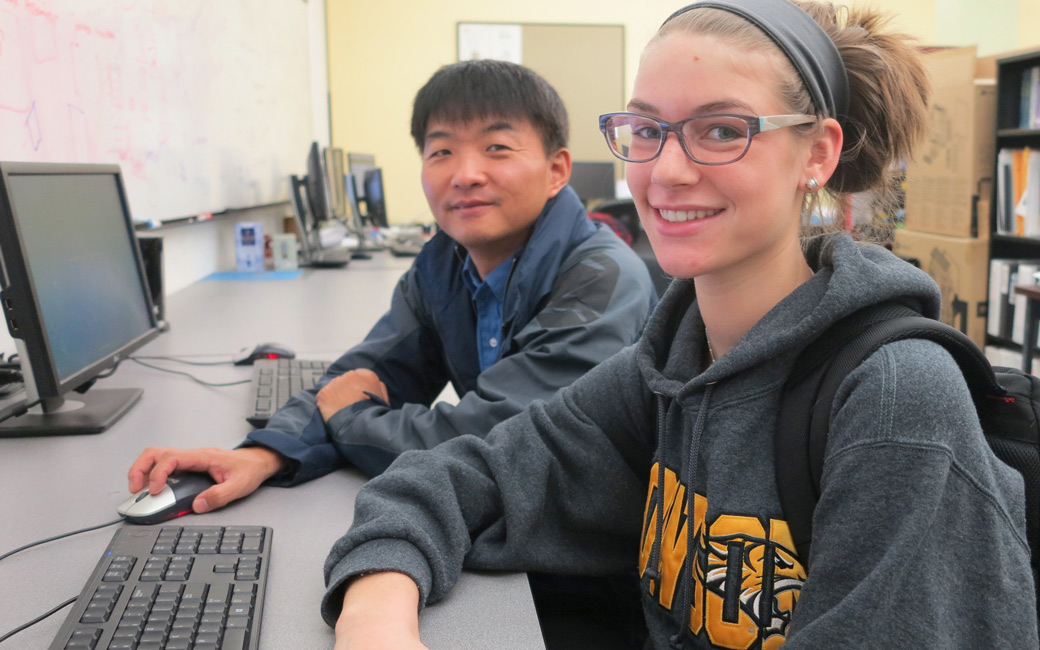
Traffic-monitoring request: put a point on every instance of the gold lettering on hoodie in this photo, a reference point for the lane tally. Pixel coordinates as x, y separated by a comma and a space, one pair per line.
734, 554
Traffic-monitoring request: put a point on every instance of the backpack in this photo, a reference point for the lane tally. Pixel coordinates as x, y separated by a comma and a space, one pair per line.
1007, 401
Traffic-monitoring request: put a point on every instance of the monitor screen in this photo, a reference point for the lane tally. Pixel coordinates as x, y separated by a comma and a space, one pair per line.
75, 292
593, 180
375, 198
358, 164
357, 217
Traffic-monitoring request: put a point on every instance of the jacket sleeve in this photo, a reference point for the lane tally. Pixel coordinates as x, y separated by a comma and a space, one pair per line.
919, 535
596, 307
548, 490
398, 349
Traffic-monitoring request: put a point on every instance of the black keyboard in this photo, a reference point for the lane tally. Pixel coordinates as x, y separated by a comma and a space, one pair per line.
173, 588
275, 381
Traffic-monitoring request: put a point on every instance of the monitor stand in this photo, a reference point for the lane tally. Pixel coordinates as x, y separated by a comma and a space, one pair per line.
89, 413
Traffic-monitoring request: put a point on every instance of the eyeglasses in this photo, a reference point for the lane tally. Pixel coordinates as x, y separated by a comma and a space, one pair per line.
707, 139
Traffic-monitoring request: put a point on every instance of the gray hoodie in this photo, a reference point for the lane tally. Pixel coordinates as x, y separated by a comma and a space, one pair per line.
918, 537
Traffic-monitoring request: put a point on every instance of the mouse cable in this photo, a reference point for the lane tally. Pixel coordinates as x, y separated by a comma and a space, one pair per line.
20, 411
63, 535
185, 361
36, 620
189, 376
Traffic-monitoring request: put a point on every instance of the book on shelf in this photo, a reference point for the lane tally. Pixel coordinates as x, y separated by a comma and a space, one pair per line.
1006, 311
1029, 107
1018, 192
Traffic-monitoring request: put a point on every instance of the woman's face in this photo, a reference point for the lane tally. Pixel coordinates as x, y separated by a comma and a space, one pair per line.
731, 219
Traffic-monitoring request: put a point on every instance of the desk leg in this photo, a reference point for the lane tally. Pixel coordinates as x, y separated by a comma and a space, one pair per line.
1030, 336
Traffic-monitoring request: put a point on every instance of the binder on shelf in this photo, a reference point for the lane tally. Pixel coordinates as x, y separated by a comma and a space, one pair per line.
1025, 274
1020, 162
1018, 192
998, 277
1031, 193
1029, 106
1005, 192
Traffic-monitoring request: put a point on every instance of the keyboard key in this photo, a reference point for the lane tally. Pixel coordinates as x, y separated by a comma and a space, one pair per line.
84, 639
235, 639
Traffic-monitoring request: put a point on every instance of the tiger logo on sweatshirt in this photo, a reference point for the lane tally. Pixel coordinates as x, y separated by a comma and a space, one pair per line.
746, 578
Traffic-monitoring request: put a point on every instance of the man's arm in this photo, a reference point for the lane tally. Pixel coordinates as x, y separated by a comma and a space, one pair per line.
298, 430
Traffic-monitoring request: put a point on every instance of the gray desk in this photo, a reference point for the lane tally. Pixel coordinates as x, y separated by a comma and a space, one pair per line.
54, 485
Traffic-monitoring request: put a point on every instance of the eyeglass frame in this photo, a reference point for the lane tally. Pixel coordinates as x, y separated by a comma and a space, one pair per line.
756, 125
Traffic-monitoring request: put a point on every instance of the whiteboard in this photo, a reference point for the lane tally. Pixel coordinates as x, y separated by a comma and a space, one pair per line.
205, 104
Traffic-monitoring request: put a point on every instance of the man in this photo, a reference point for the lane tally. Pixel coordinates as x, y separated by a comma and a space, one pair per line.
516, 296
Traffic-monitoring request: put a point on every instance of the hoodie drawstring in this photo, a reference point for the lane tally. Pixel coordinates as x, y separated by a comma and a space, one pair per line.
691, 547
652, 566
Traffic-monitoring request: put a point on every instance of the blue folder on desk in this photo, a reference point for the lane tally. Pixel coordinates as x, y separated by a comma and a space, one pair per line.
252, 276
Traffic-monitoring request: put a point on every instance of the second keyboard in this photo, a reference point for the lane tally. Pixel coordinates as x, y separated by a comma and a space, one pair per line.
275, 381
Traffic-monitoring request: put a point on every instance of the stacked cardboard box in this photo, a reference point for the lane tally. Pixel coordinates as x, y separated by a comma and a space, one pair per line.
949, 187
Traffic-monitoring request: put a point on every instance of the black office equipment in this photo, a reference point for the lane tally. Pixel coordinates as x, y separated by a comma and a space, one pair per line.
593, 180
152, 256
359, 222
357, 165
249, 355
275, 381
74, 295
175, 499
319, 193
321, 234
375, 198
173, 587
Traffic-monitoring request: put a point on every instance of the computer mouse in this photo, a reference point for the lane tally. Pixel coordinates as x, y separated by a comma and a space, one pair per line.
247, 356
172, 501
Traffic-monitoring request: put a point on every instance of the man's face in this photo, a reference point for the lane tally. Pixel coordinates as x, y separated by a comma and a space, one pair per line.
487, 181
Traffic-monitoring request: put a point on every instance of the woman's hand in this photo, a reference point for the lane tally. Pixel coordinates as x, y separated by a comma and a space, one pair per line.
380, 612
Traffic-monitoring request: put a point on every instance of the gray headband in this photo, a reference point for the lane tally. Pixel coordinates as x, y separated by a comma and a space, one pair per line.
806, 45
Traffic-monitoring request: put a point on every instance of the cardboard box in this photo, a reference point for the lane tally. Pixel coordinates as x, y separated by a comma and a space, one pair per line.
953, 166
959, 265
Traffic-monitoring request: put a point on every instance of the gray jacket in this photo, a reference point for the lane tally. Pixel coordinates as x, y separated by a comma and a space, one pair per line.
918, 537
576, 294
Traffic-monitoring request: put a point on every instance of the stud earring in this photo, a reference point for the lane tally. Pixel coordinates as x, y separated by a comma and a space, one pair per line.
812, 184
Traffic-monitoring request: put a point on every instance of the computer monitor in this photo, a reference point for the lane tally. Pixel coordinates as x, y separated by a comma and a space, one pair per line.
74, 293
375, 198
357, 217
357, 165
321, 242
334, 170
319, 194
593, 180
321, 231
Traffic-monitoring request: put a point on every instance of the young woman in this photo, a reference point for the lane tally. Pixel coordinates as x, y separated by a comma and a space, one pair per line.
663, 455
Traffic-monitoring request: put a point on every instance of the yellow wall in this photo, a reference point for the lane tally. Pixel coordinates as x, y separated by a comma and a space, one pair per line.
380, 53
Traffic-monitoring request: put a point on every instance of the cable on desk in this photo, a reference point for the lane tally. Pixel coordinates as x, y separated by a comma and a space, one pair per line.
185, 361
189, 376
37, 619
63, 535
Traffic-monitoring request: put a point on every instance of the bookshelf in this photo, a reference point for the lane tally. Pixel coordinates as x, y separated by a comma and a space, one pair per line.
1014, 131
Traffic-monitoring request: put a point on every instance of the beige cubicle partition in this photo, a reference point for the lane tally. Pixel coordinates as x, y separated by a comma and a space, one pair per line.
586, 65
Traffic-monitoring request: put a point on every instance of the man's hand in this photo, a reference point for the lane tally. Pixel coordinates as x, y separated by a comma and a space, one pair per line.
380, 612
238, 472
347, 389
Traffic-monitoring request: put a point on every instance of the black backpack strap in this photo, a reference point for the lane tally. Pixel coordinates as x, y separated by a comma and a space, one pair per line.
804, 420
